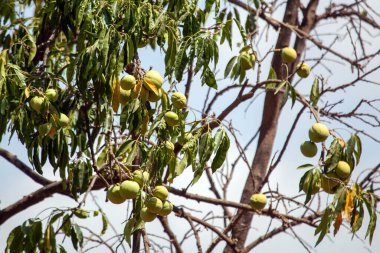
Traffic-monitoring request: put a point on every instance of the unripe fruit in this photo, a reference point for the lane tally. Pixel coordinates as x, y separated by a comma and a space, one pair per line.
153, 97
314, 188
36, 103
82, 214
343, 170
113, 194
167, 208
128, 82
169, 145
129, 189
147, 216
125, 96
318, 132
303, 70
178, 100
309, 149
247, 60
171, 118
153, 77
154, 205
258, 201
44, 129
160, 192
288, 54
329, 182
51, 94
140, 177
64, 121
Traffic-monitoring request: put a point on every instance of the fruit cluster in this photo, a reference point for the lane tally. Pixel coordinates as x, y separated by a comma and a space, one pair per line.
155, 201
289, 55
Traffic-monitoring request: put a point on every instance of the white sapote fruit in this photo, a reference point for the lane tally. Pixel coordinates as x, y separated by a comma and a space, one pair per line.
51, 94
318, 132
171, 118
128, 82
147, 216
288, 55
153, 204
140, 177
64, 121
160, 192
36, 103
258, 201
303, 70
247, 60
343, 170
167, 208
113, 194
129, 189
178, 100
309, 149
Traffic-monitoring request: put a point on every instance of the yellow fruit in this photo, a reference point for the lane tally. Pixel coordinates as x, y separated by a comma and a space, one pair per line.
113, 194
51, 94
247, 60
303, 70
318, 132
128, 82
288, 54
135, 92
343, 170
167, 208
153, 77
154, 205
153, 97
160, 192
329, 182
314, 188
44, 129
258, 201
171, 118
36, 103
141, 177
64, 121
125, 96
169, 145
129, 189
147, 216
178, 100
309, 149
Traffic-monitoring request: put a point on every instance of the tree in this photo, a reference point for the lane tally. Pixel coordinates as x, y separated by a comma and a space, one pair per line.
77, 95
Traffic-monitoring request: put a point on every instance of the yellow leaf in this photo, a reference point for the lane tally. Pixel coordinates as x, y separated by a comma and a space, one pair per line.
337, 223
27, 92
150, 86
116, 95
348, 206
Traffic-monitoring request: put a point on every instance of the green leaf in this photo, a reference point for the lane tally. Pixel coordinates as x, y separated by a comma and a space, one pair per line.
229, 66
14, 241
271, 76
128, 229
221, 154
208, 78
104, 222
181, 165
324, 225
304, 166
314, 93
241, 29
123, 148
279, 87
76, 236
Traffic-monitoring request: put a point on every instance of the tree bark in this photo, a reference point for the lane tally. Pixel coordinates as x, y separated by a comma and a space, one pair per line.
271, 113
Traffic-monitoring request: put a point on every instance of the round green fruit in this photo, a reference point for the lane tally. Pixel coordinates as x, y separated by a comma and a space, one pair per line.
129, 189
152, 77
36, 103
288, 54
329, 182
128, 82
318, 132
178, 100
309, 149
314, 188
247, 60
258, 201
64, 121
343, 170
160, 192
171, 118
140, 177
44, 129
146, 215
303, 70
51, 94
125, 96
167, 208
154, 205
113, 194
153, 97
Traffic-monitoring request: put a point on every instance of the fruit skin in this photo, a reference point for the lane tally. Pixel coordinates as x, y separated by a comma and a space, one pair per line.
51, 94
171, 118
288, 54
247, 60
167, 208
343, 170
146, 215
178, 100
128, 82
303, 70
36, 103
160, 192
44, 129
125, 96
153, 77
315, 187
129, 189
140, 177
318, 132
64, 121
258, 201
154, 205
153, 97
113, 194
328, 184
309, 149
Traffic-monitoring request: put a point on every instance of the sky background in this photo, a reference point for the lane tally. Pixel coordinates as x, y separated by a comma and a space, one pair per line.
15, 185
